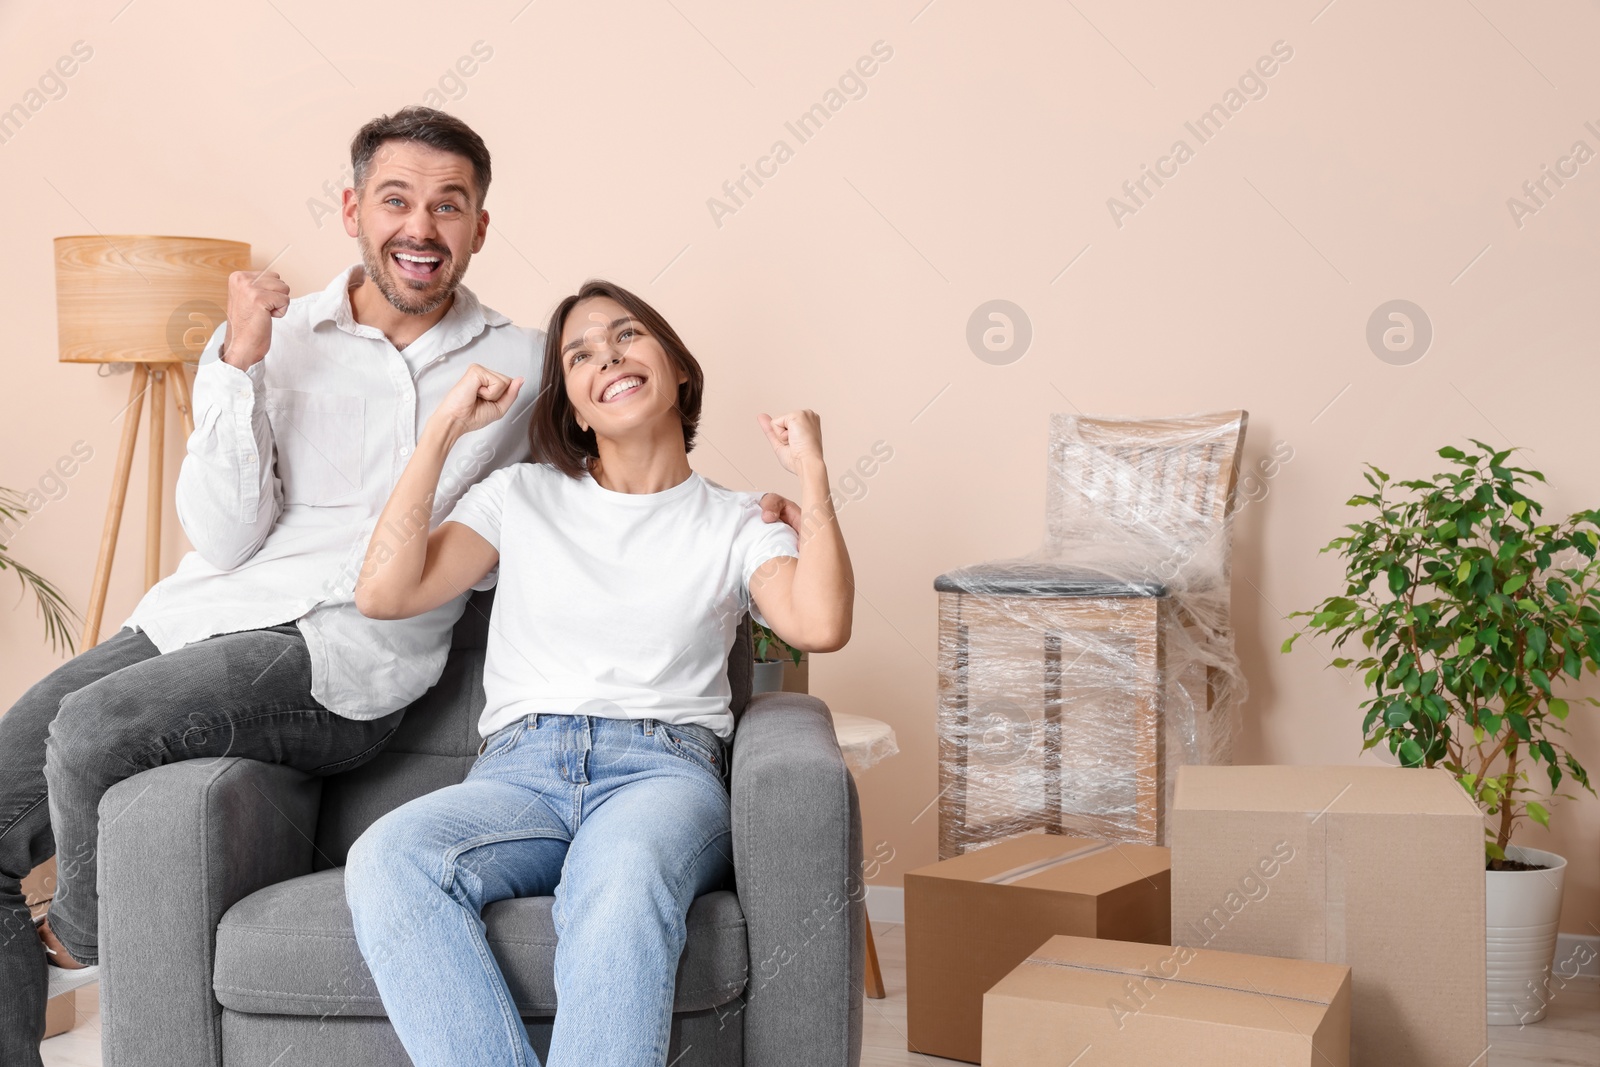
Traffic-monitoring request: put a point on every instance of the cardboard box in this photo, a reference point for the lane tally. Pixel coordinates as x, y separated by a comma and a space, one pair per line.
1379, 868
971, 919
1139, 1005
61, 1014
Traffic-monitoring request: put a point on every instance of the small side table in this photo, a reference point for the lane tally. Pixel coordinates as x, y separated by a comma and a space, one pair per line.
864, 742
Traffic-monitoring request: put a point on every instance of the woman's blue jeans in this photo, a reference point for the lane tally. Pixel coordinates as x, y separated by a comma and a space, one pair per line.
625, 821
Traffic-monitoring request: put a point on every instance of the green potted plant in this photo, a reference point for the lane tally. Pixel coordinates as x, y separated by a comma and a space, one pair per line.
771, 652
1470, 606
58, 614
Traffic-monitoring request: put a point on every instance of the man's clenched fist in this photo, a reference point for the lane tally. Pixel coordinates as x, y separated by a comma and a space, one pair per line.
255, 298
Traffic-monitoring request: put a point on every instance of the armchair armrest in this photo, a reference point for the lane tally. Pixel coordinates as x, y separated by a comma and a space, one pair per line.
797, 860
180, 845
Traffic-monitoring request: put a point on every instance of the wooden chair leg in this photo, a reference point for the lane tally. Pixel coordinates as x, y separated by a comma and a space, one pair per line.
1150, 712
1051, 820
874, 976
953, 741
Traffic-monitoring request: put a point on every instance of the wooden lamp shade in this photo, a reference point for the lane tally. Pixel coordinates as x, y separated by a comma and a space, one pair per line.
152, 302
134, 299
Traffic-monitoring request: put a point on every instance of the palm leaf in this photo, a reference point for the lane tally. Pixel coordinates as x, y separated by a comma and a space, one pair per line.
52, 605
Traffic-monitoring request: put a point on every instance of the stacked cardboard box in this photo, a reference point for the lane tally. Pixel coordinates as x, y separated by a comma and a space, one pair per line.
1144, 1004
1379, 868
1376, 872
971, 919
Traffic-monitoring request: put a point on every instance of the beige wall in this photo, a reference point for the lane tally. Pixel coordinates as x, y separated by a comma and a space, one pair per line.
976, 166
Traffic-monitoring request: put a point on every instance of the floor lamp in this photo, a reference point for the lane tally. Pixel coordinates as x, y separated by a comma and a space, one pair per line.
152, 302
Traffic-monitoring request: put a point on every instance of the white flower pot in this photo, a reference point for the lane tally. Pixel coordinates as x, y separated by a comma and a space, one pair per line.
1524, 913
768, 677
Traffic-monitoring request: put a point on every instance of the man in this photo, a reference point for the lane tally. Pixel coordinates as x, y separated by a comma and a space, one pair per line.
306, 413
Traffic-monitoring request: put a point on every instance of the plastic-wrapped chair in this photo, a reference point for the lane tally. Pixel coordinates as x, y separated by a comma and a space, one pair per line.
1072, 681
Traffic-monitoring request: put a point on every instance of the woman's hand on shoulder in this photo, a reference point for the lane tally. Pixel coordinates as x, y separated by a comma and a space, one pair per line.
796, 438
481, 397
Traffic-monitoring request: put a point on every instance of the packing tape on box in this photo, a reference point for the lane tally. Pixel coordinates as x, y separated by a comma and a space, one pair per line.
1028, 870
1145, 975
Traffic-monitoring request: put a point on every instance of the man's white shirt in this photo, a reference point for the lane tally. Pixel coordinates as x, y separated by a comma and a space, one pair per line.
289, 467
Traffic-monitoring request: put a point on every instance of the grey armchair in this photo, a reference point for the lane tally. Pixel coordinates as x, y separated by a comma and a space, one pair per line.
225, 939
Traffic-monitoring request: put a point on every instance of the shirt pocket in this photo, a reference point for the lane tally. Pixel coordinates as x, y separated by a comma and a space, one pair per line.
319, 439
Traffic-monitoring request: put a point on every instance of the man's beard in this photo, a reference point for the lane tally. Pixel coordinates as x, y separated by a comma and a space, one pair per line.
397, 290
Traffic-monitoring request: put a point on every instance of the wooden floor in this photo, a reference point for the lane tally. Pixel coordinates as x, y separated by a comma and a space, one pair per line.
1569, 1036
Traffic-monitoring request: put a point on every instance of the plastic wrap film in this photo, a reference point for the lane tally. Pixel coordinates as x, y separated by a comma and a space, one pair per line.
862, 741
1074, 681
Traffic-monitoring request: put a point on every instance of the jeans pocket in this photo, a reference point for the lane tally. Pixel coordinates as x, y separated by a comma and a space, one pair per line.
691, 747
360, 757
499, 743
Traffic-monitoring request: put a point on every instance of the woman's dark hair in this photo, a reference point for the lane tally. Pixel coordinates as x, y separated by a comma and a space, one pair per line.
554, 434
420, 125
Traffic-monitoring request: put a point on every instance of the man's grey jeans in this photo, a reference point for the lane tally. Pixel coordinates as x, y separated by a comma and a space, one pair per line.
116, 710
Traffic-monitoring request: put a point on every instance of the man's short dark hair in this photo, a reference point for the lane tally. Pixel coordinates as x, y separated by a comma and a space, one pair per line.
421, 125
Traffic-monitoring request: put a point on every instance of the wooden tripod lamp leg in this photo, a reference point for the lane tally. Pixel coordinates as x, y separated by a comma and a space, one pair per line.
119, 496
182, 397
157, 446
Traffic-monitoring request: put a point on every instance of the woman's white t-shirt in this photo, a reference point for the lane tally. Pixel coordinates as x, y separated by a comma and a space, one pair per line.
618, 605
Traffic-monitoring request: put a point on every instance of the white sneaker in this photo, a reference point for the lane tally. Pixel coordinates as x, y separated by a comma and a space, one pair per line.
65, 981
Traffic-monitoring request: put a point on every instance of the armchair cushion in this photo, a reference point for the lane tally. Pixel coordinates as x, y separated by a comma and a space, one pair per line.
290, 949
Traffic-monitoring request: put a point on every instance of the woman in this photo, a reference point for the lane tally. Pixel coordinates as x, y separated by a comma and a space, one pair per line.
623, 576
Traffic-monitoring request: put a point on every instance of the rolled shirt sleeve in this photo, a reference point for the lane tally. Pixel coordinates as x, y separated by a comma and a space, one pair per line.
227, 493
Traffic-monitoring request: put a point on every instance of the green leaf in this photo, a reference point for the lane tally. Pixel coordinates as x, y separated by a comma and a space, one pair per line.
1411, 753
1538, 814
1558, 708
1289, 642
1464, 571
1517, 581
1399, 580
